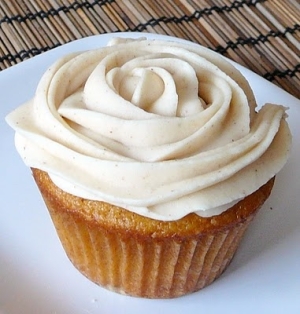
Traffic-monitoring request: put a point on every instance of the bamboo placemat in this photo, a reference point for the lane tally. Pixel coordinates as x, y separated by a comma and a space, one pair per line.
261, 35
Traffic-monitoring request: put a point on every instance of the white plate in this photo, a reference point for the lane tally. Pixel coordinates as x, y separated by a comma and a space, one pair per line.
37, 277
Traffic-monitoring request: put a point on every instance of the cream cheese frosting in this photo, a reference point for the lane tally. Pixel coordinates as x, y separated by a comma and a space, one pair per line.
160, 128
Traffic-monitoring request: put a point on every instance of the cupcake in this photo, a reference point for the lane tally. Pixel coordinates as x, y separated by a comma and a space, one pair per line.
152, 160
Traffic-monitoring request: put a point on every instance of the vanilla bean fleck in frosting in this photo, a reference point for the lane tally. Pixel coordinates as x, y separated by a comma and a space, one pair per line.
159, 128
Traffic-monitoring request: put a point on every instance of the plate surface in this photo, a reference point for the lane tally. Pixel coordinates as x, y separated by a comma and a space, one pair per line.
37, 277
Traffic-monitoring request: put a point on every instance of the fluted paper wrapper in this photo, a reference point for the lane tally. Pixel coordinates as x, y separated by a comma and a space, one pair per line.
152, 268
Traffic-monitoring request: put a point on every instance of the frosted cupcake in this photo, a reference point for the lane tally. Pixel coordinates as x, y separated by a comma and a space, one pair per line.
152, 160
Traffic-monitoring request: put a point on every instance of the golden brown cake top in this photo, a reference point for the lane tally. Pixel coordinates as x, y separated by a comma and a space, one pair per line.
113, 218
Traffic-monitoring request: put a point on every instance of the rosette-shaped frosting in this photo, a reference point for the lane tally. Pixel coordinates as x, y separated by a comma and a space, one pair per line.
159, 128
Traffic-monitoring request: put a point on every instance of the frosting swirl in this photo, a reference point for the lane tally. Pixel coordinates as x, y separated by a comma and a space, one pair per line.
159, 128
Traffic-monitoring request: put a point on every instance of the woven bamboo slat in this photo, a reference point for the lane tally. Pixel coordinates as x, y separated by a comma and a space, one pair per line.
263, 35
